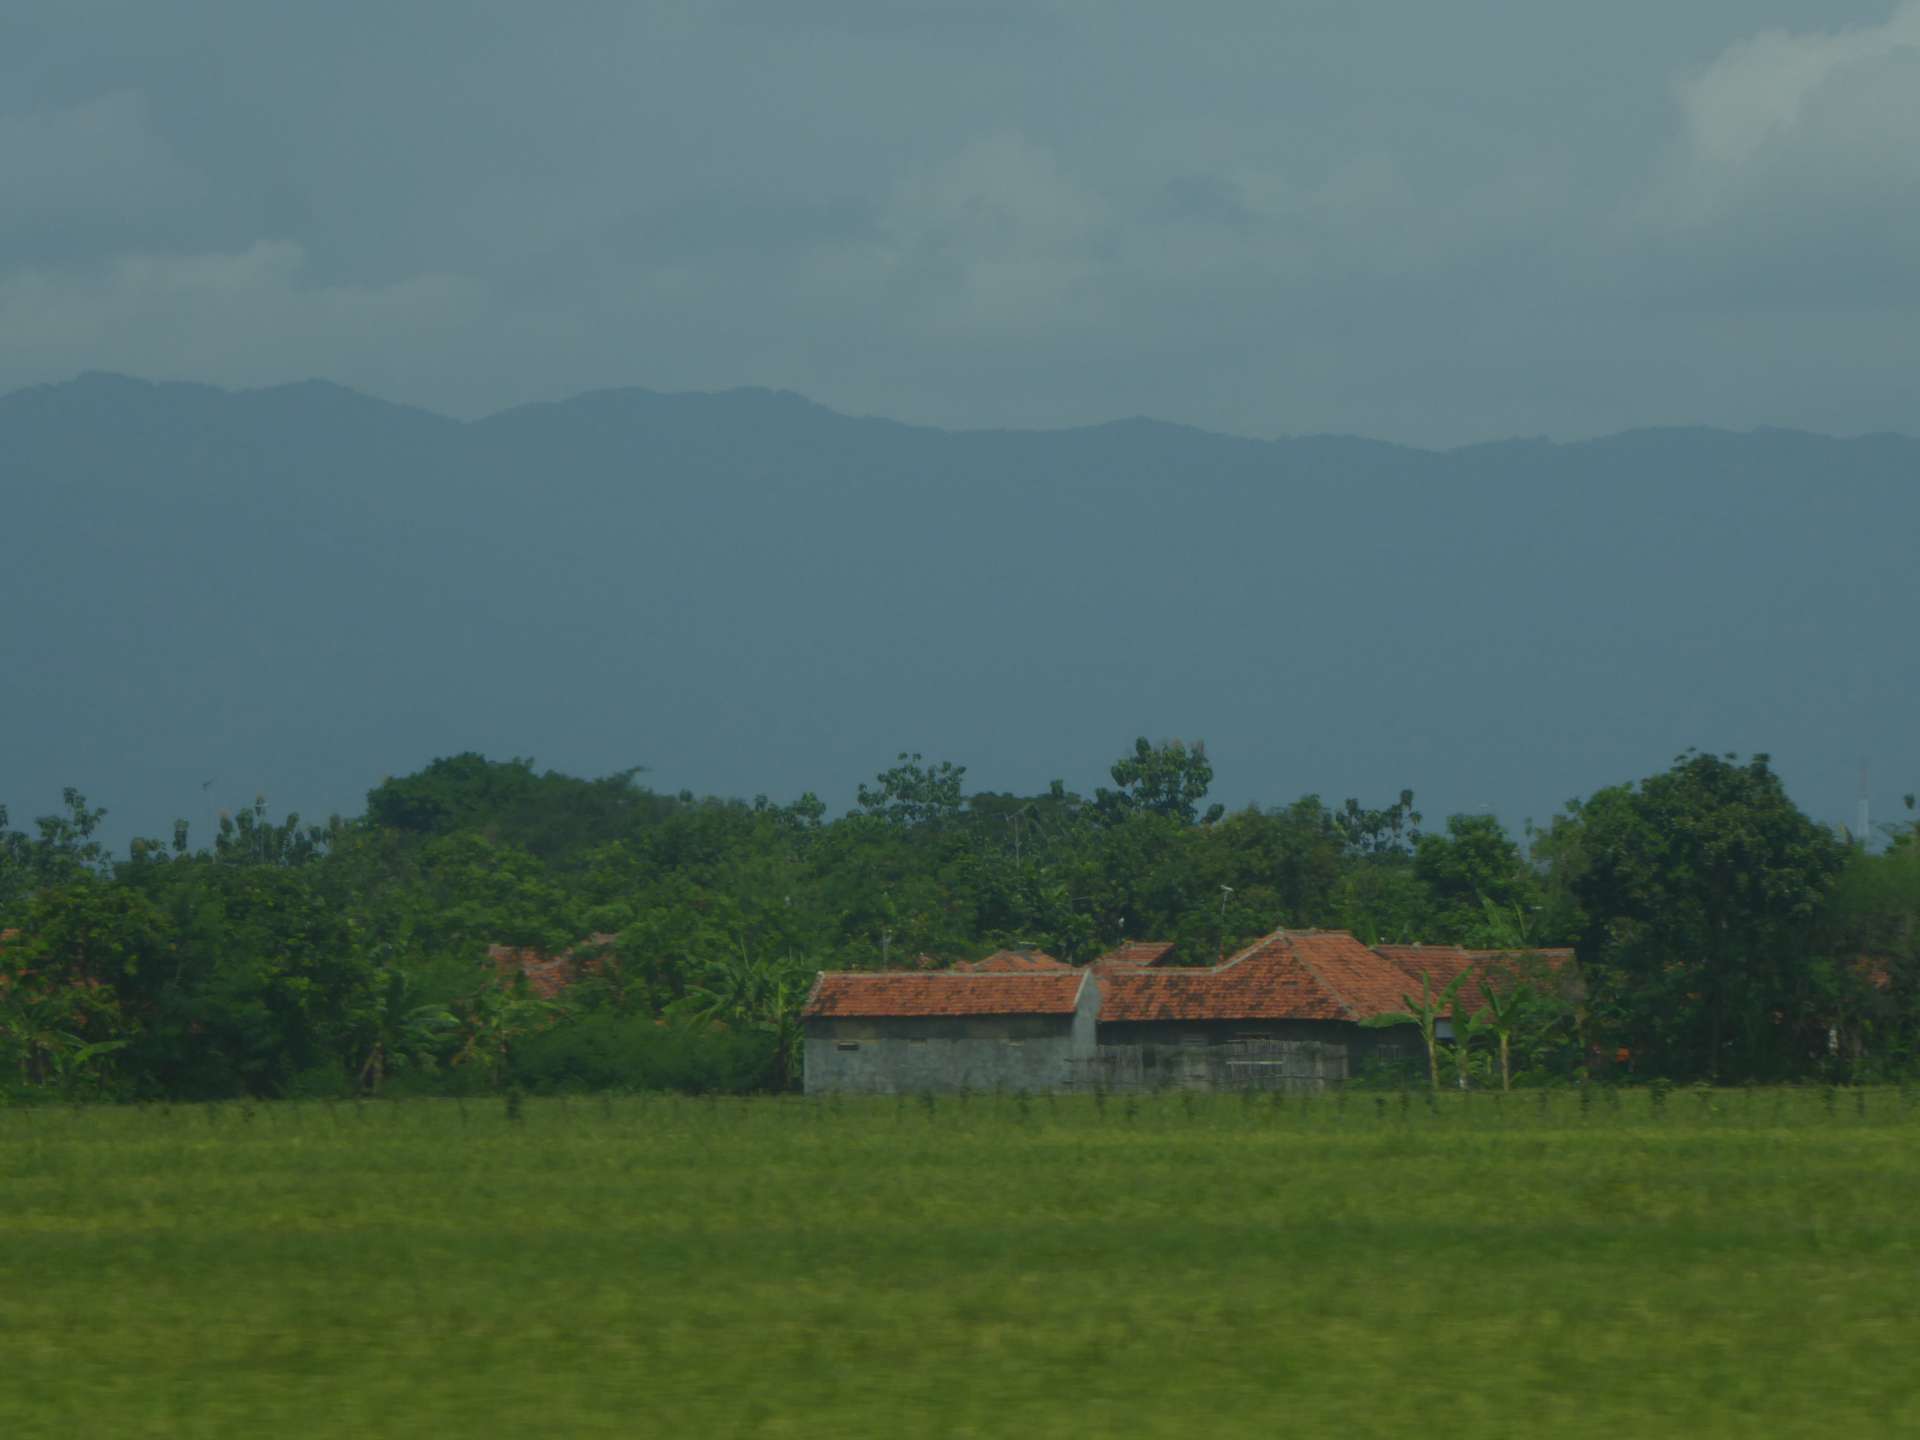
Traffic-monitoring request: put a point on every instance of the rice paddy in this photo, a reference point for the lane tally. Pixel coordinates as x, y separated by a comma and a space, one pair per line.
1646, 1263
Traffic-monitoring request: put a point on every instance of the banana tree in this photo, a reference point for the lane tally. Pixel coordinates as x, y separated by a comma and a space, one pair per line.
399, 1032
491, 1019
1427, 1012
1502, 1013
764, 995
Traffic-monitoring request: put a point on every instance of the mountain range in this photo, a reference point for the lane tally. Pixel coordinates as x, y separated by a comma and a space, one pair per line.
208, 594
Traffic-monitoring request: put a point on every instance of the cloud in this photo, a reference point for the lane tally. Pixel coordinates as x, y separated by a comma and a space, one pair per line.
86, 164
1401, 219
213, 316
1781, 111
996, 238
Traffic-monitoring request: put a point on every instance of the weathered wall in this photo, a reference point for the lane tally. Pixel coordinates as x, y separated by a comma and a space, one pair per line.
1039, 1053
1290, 1065
1034, 1053
1292, 1055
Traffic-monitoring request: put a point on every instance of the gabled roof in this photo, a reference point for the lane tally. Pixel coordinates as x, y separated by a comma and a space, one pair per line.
1502, 969
1133, 955
883, 994
1012, 962
1441, 964
1288, 975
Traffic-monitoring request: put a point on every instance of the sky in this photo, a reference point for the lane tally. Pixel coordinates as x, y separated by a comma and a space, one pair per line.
1434, 224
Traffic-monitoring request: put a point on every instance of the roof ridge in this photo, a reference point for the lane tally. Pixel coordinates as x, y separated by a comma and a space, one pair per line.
1327, 986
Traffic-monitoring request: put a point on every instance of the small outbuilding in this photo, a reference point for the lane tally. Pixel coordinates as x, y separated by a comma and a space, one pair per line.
893, 1032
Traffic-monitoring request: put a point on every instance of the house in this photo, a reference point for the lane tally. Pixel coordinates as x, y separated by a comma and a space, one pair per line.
1287, 1012
892, 1032
1284, 1013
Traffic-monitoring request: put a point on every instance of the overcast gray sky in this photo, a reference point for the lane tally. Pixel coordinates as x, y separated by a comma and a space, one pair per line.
1435, 223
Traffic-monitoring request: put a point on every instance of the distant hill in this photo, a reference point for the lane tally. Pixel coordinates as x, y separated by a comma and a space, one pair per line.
300, 589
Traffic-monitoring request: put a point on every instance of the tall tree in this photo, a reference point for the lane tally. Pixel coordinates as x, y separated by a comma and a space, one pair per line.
1169, 779
1702, 885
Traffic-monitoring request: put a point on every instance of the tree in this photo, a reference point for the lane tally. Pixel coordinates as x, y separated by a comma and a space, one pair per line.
1391, 831
1702, 886
1169, 779
1502, 1014
1473, 866
915, 795
1427, 1012
397, 1030
758, 993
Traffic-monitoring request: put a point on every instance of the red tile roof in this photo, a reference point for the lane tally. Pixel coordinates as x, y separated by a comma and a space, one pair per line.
1440, 964
1133, 955
547, 975
1012, 962
1289, 975
1501, 968
879, 994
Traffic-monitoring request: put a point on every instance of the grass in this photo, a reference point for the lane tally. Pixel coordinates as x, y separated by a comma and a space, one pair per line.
1709, 1264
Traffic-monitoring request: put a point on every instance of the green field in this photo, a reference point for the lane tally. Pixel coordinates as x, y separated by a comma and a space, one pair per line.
1722, 1263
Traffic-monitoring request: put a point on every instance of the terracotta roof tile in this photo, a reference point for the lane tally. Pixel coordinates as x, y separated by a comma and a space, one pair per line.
1289, 975
1012, 962
547, 975
880, 994
1502, 968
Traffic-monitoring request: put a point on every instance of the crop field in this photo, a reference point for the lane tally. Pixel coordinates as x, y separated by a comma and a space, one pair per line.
1701, 1263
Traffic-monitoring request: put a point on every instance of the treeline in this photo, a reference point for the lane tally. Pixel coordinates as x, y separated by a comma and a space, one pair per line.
1721, 933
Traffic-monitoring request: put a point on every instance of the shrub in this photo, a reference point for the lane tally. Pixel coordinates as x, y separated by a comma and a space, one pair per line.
607, 1051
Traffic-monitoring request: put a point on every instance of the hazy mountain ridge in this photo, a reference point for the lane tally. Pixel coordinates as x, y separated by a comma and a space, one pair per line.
302, 588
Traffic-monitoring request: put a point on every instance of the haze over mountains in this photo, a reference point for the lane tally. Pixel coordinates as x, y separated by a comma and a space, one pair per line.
301, 589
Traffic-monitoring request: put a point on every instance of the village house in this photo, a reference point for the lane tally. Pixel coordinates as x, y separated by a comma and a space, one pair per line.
892, 1032
1286, 1012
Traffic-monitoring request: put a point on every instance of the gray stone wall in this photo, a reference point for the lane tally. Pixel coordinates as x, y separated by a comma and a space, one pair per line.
1034, 1053
1039, 1053
1291, 1055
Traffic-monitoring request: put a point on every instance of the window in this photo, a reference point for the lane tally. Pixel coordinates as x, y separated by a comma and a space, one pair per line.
1193, 1037
846, 1044
916, 1040
1253, 1035
1013, 1041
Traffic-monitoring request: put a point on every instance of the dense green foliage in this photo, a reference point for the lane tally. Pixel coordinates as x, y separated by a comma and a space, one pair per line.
1600, 1264
1720, 932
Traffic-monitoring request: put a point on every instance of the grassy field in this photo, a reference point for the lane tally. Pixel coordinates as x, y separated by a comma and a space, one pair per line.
1740, 1264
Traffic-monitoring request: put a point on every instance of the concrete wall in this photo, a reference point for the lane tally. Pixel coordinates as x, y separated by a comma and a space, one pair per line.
1038, 1053
1034, 1053
1291, 1055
